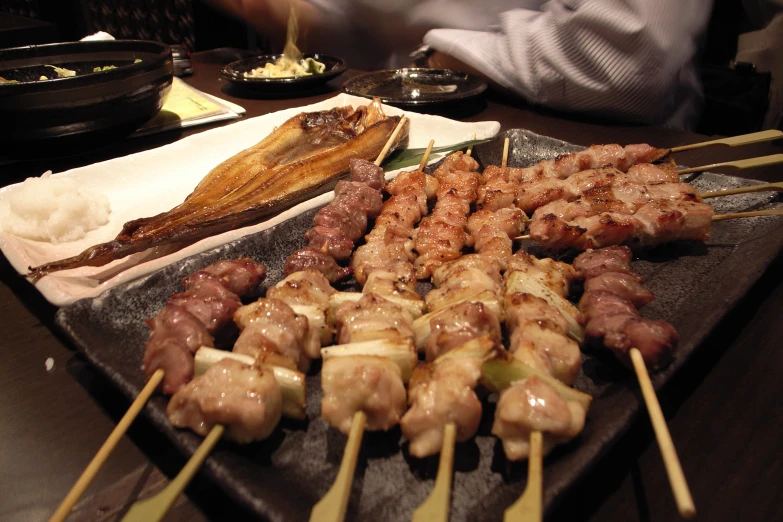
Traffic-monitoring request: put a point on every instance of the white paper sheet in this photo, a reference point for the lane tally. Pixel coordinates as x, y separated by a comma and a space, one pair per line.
154, 181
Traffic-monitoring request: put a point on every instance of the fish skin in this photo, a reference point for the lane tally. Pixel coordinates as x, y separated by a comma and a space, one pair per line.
283, 186
294, 138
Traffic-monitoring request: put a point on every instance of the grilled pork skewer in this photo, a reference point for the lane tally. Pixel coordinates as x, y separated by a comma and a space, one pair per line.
612, 293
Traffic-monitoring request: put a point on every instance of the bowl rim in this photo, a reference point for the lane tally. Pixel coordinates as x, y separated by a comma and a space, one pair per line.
162, 53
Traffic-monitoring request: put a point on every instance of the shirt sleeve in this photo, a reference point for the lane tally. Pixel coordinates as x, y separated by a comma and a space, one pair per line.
631, 60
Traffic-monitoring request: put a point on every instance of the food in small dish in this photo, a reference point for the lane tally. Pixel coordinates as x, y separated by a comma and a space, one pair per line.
286, 67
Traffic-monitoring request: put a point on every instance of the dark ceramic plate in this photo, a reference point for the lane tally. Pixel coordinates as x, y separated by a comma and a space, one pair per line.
416, 87
73, 114
283, 477
235, 73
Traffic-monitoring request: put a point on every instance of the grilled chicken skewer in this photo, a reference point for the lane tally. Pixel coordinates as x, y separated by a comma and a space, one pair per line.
612, 293
341, 223
188, 320
239, 395
363, 376
582, 224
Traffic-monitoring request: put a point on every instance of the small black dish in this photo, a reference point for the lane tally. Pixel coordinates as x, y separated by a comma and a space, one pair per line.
69, 115
416, 87
235, 73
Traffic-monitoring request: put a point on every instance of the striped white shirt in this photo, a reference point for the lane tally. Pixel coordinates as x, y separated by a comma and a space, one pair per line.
631, 60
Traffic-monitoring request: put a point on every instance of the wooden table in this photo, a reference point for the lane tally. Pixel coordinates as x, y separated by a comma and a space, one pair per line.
724, 409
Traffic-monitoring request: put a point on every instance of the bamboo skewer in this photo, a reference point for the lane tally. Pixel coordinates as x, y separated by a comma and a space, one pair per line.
155, 508
99, 459
436, 507
391, 140
333, 505
682, 494
762, 161
745, 139
426, 156
755, 213
529, 506
504, 161
742, 190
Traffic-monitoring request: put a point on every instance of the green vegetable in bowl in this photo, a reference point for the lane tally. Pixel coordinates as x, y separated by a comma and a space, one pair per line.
62, 73
104, 68
3, 80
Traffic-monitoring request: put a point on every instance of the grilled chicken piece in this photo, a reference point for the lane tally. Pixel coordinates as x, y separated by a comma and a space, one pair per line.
175, 337
486, 264
538, 337
311, 259
441, 236
186, 322
592, 263
240, 276
653, 224
362, 383
307, 287
372, 317
613, 322
556, 275
269, 326
413, 178
393, 283
245, 399
464, 283
458, 325
626, 286
440, 394
532, 405
596, 156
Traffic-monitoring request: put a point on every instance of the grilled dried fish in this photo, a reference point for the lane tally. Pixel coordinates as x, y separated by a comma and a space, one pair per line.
306, 155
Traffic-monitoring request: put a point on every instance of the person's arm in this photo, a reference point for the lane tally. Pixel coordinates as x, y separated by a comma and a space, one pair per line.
630, 60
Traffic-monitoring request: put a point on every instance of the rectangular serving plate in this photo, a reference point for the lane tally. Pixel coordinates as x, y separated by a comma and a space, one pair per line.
281, 478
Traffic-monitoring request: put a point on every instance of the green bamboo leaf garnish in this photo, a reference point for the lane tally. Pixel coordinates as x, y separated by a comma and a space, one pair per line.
401, 158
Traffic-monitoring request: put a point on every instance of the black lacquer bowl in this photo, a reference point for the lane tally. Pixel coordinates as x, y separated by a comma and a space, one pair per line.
67, 115
235, 73
281, 478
